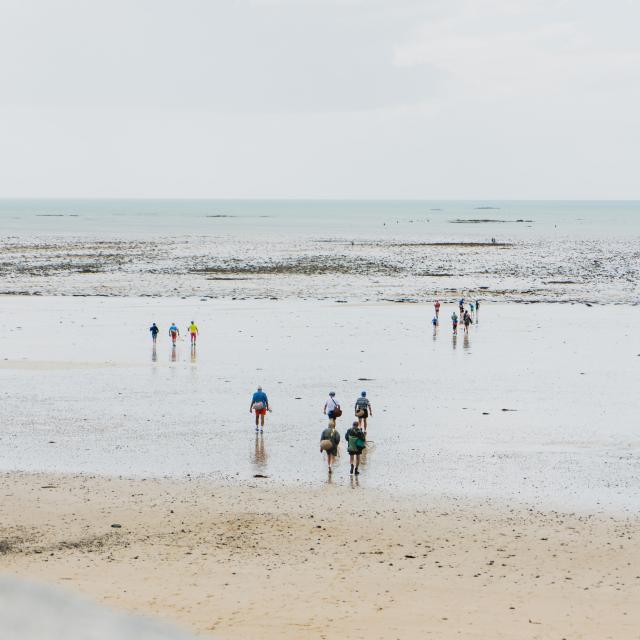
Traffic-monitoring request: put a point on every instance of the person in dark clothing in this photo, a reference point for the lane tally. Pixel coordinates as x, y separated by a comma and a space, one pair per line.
467, 321
154, 332
355, 440
329, 441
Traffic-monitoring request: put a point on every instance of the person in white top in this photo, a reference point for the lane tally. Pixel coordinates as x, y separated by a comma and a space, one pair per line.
332, 407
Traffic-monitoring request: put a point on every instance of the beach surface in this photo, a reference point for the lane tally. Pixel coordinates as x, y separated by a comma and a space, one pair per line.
527, 407
256, 560
498, 496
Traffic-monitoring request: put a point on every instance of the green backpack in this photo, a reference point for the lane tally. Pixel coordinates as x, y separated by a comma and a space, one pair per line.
356, 443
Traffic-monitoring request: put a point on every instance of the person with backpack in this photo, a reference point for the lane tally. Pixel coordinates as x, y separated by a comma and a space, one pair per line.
466, 319
363, 410
259, 404
355, 440
329, 441
332, 407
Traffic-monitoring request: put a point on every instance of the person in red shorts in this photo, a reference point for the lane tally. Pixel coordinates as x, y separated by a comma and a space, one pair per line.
259, 404
174, 333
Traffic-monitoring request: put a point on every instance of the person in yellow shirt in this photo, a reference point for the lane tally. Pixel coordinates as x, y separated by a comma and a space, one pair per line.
193, 331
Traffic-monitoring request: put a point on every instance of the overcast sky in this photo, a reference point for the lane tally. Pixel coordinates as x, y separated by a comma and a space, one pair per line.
320, 98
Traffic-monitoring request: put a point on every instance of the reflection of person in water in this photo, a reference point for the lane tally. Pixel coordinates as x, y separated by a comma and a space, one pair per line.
259, 458
154, 353
193, 353
174, 353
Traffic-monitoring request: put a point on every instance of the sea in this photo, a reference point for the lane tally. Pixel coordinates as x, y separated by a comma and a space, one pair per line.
405, 251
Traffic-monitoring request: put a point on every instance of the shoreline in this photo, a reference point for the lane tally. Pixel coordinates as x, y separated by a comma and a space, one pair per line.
257, 560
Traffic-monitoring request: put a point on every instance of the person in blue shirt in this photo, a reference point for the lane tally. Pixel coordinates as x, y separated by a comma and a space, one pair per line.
259, 404
174, 332
154, 332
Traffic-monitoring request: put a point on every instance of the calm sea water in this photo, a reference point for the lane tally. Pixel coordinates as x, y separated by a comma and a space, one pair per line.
509, 220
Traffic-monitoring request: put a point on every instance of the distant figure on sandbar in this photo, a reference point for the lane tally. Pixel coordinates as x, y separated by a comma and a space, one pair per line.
193, 332
454, 322
174, 333
436, 306
467, 321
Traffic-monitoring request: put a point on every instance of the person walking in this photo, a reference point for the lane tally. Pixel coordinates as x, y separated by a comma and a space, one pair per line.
461, 307
154, 332
259, 405
332, 407
467, 321
454, 322
355, 439
437, 308
193, 332
363, 410
174, 333
329, 441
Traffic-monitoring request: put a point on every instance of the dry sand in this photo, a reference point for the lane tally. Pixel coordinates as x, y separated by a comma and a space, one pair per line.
258, 560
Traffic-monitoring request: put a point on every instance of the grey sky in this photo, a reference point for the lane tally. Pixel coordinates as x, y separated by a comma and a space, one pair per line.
320, 98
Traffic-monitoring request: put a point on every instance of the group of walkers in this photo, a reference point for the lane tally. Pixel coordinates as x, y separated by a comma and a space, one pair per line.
466, 317
174, 332
355, 436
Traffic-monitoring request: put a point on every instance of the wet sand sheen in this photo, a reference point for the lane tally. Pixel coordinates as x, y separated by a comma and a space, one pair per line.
478, 415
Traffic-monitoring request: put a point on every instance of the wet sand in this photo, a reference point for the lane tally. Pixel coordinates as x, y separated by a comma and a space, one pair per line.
528, 407
256, 560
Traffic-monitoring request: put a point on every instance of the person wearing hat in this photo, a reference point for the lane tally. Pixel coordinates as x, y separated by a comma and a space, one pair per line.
363, 410
259, 404
332, 407
193, 332
329, 441
355, 444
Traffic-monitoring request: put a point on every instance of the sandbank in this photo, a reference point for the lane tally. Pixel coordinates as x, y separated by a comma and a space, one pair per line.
260, 560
